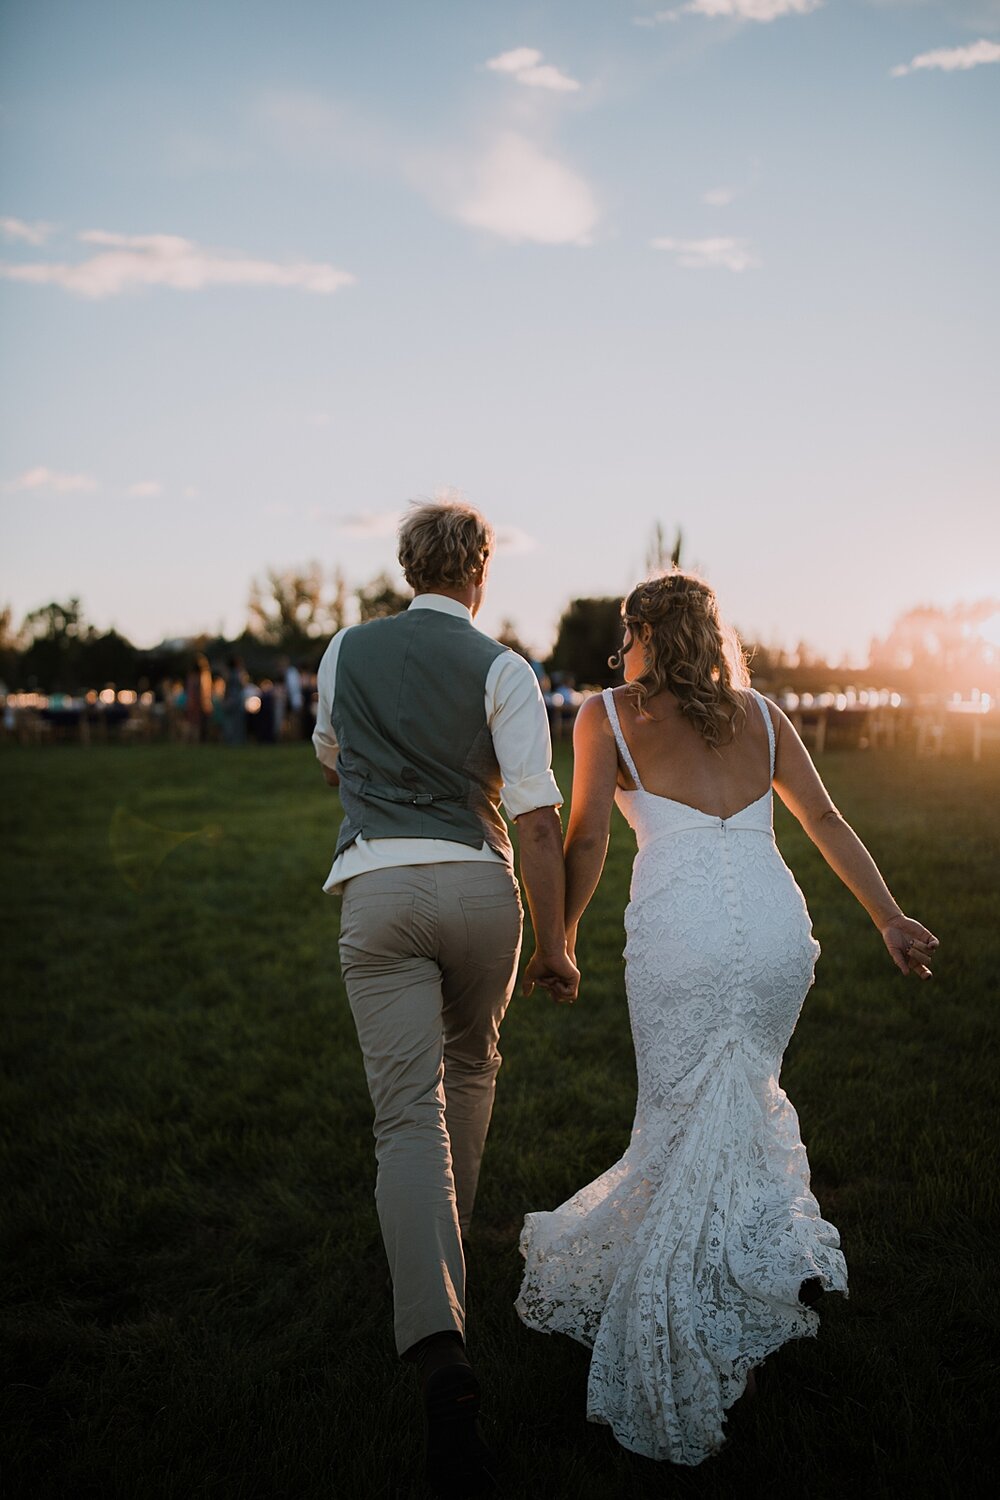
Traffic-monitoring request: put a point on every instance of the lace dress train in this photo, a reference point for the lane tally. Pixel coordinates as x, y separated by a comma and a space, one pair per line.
681, 1265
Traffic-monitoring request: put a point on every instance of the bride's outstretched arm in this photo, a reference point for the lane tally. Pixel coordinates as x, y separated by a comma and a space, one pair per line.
595, 771
911, 945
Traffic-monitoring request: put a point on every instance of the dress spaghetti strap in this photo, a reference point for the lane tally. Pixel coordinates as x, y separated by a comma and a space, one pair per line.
623, 750
768, 724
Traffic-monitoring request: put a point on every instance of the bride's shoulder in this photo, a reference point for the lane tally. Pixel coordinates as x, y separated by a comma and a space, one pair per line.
761, 715
593, 709
592, 716
754, 699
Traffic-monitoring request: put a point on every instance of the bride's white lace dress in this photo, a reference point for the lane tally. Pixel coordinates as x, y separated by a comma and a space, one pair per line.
681, 1265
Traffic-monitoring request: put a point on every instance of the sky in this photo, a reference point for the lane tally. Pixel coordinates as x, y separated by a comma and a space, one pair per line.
269, 271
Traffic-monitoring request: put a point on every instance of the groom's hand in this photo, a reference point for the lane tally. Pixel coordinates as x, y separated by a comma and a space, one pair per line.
555, 972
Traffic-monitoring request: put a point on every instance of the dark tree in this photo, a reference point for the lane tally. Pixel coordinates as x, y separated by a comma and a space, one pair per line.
381, 598
109, 658
291, 609
658, 559
55, 635
508, 636
10, 644
589, 632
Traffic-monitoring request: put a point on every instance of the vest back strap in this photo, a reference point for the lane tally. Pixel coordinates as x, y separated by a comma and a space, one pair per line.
369, 792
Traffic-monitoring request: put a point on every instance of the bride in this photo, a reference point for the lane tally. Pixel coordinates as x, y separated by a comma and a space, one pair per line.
703, 1250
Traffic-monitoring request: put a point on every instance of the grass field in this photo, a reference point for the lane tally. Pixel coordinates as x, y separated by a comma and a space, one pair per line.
195, 1297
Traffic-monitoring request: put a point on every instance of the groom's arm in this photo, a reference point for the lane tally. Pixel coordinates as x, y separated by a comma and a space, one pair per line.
324, 735
539, 836
519, 726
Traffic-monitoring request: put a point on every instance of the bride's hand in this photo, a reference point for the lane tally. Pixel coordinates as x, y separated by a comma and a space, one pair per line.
911, 945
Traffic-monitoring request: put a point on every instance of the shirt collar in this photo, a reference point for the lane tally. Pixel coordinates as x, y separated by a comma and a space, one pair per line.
443, 603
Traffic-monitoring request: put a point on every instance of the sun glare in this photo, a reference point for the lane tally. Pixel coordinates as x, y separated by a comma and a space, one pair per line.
990, 631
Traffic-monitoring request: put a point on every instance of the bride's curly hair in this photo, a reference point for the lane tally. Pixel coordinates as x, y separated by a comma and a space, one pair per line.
691, 653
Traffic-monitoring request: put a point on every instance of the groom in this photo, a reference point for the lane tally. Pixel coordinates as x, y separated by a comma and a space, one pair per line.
427, 726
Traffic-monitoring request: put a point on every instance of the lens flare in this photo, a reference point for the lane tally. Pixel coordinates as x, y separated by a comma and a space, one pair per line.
138, 848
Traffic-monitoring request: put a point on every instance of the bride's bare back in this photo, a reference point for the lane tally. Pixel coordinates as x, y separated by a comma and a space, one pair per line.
674, 759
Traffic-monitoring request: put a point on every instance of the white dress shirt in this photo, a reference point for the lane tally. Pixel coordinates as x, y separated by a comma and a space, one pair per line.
518, 724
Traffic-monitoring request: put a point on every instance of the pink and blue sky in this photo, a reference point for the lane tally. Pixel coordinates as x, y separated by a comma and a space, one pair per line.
268, 271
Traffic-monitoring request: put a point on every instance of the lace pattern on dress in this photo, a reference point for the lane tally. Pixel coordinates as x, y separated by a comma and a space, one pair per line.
680, 1265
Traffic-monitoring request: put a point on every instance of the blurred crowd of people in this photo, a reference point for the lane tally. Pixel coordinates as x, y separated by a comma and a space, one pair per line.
210, 703
228, 706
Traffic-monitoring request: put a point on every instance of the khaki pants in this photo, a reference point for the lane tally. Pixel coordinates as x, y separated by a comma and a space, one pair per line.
429, 954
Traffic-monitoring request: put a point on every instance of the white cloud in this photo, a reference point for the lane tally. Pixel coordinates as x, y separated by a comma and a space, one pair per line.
719, 197
508, 186
514, 541
740, 10
727, 193
145, 489
371, 524
126, 261
952, 59
190, 492
516, 60
752, 10
32, 234
522, 194
525, 64
53, 480
719, 253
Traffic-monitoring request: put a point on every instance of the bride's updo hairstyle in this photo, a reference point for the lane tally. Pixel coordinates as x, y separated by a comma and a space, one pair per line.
691, 653
443, 544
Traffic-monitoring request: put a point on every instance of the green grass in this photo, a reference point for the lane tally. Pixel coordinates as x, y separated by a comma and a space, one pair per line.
195, 1297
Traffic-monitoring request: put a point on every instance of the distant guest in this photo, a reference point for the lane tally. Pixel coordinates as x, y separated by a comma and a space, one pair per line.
234, 722
198, 699
294, 698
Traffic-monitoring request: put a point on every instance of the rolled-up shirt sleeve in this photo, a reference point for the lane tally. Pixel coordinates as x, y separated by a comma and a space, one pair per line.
324, 736
519, 725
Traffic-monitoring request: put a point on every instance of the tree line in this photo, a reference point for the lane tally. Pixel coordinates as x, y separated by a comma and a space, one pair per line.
292, 614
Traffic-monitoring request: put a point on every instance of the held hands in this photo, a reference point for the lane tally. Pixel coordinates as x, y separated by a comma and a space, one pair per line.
555, 972
910, 944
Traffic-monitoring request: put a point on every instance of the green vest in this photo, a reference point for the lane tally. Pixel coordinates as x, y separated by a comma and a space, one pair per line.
416, 757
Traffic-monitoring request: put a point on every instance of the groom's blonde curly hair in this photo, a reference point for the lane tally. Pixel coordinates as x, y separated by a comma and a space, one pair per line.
691, 653
443, 543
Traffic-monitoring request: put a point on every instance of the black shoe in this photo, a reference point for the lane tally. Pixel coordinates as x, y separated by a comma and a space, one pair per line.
459, 1464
